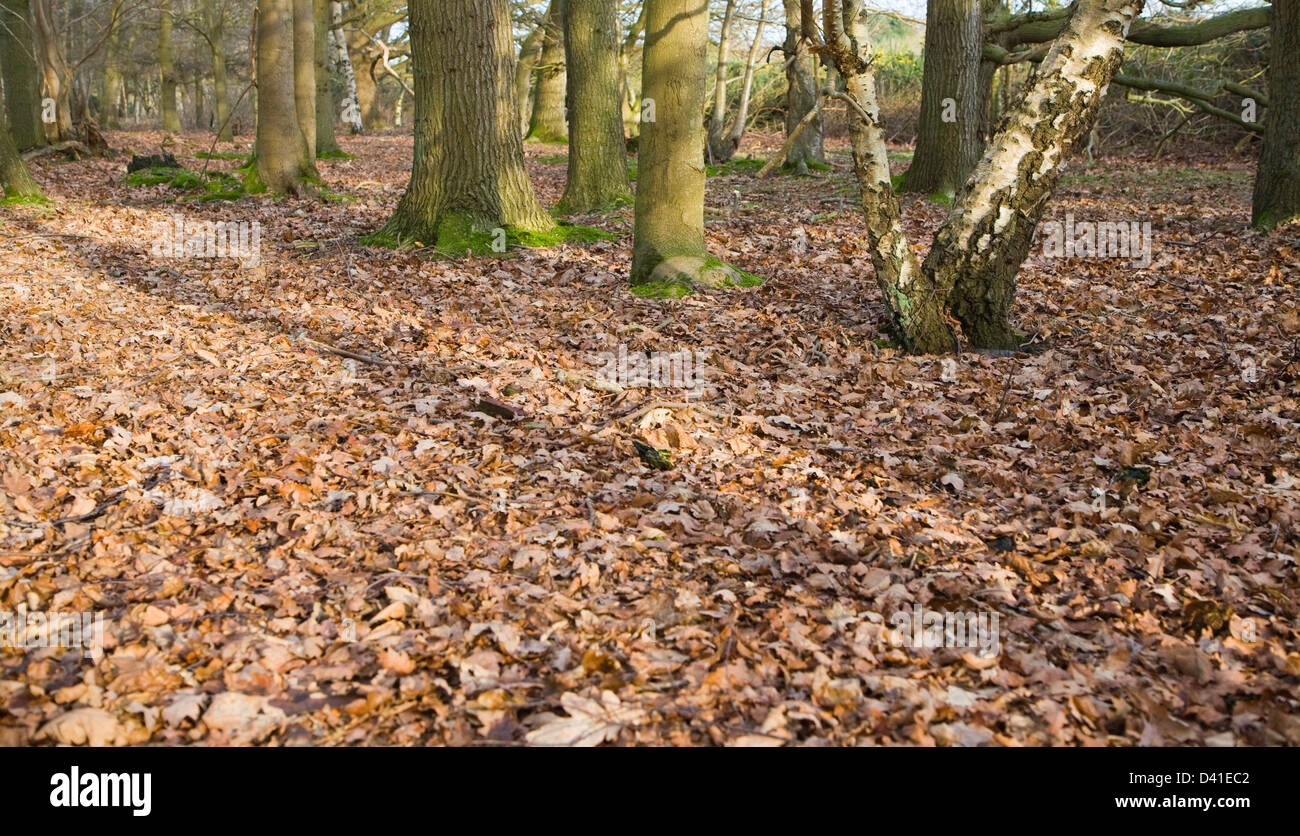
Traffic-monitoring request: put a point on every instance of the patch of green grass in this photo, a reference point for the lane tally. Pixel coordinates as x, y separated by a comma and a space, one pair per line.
941, 198
336, 154
631, 172
747, 165
552, 159
177, 178
341, 198
24, 200
220, 155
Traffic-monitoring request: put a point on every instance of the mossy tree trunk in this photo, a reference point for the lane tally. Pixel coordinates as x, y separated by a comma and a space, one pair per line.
668, 236
948, 141
597, 149
15, 179
547, 121
468, 176
171, 120
285, 162
801, 96
326, 141
1277, 179
22, 76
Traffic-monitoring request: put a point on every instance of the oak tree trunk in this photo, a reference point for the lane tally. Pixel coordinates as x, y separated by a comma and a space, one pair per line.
285, 164
547, 122
597, 149
326, 142
15, 180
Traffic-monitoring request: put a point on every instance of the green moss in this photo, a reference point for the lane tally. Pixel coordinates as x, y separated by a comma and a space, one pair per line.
460, 234
545, 136
177, 178
681, 275
661, 290
25, 200
943, 198
252, 180
747, 165
220, 155
631, 172
336, 154
552, 159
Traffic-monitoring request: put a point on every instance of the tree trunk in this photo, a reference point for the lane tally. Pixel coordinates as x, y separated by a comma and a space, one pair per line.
747, 84
372, 119
801, 96
980, 247
304, 70
171, 120
627, 99
54, 71
110, 90
285, 164
467, 177
529, 51
15, 180
22, 84
720, 147
597, 149
1277, 178
326, 143
350, 112
948, 143
668, 237
216, 25
547, 122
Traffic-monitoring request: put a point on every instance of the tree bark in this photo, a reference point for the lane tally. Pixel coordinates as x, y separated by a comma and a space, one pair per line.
22, 78
529, 51
304, 70
719, 143
350, 112
668, 236
737, 132
597, 149
171, 120
547, 122
326, 143
215, 21
15, 179
986, 237
467, 177
285, 165
627, 99
54, 71
801, 96
1277, 178
110, 90
948, 142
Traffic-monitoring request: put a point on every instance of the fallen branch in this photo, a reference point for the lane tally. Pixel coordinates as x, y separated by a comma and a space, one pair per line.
71, 146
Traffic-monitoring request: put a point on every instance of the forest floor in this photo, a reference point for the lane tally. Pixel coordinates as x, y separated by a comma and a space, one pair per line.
292, 546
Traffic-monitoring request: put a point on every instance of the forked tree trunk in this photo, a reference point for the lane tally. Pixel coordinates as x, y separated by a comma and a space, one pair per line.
285, 163
1277, 179
597, 150
350, 111
978, 251
976, 254
668, 236
801, 96
948, 141
326, 142
22, 78
719, 143
547, 122
468, 177
171, 120
15, 180
55, 79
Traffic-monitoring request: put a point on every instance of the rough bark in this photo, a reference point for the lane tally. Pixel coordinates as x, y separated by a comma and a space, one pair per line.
980, 247
22, 78
1277, 179
467, 177
55, 81
350, 111
948, 141
627, 98
15, 179
597, 150
668, 235
215, 22
110, 90
547, 121
285, 164
326, 142
801, 96
171, 120
720, 148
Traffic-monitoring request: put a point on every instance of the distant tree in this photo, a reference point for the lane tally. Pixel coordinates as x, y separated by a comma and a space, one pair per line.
547, 122
284, 158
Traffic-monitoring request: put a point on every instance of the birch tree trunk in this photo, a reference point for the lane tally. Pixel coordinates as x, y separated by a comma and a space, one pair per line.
350, 112
467, 177
1277, 179
597, 151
